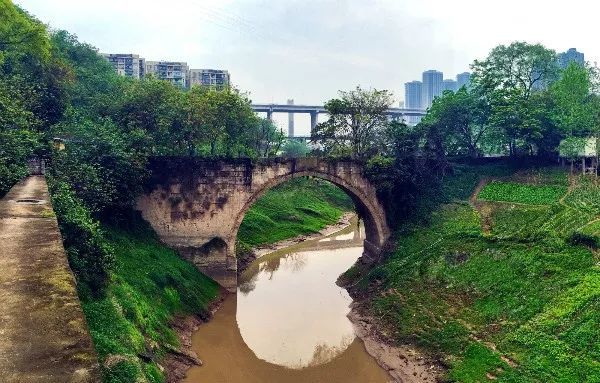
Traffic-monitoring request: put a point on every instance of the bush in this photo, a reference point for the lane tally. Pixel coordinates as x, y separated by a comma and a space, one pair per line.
10, 174
90, 256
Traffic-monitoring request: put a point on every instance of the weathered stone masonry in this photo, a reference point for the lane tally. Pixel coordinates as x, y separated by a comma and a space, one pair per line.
196, 206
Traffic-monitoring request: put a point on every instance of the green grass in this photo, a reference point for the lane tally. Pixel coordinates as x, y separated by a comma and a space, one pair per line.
299, 206
523, 293
522, 193
150, 285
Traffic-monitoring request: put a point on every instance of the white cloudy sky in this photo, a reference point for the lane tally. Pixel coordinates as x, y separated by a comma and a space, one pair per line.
308, 49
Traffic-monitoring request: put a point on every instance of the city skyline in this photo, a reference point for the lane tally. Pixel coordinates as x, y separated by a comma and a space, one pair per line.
287, 50
340, 39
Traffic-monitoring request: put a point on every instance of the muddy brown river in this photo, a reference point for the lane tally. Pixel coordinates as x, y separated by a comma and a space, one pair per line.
287, 323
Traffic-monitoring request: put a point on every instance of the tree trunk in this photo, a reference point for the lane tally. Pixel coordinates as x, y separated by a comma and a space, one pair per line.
572, 166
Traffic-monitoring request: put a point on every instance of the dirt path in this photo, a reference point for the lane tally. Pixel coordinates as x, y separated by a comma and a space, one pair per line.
43, 334
478, 188
483, 208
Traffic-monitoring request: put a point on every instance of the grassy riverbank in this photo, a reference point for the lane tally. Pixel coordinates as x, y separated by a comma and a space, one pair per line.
299, 206
150, 285
505, 288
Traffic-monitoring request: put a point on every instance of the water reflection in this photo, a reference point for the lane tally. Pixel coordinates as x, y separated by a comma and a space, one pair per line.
290, 311
325, 353
288, 322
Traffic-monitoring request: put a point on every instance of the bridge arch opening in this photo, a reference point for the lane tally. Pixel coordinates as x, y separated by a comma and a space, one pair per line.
375, 233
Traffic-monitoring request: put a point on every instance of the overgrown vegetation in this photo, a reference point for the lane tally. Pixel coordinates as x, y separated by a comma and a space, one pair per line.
91, 257
499, 291
506, 288
150, 285
299, 206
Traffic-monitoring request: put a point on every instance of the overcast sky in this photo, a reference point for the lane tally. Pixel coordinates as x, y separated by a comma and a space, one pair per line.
308, 50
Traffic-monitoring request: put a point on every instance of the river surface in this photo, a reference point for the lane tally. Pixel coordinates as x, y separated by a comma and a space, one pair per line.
287, 323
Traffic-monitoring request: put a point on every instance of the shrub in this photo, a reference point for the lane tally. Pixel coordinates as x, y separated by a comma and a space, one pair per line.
90, 256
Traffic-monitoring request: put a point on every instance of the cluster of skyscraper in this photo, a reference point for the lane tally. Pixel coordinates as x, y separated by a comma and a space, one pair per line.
176, 72
420, 94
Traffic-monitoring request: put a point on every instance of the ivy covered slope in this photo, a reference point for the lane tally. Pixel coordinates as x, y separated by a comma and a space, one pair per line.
130, 309
299, 206
505, 288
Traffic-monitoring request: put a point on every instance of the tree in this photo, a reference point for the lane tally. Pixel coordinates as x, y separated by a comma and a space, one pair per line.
460, 118
228, 121
265, 138
507, 80
356, 122
21, 36
94, 87
295, 148
152, 110
573, 102
572, 148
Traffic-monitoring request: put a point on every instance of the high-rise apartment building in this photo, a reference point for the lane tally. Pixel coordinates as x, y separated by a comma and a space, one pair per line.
450, 85
565, 58
463, 79
412, 94
216, 78
432, 87
127, 64
175, 72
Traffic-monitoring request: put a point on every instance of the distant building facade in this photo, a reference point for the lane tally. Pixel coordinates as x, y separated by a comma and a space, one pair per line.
127, 64
433, 82
412, 94
215, 78
463, 79
176, 72
450, 85
572, 55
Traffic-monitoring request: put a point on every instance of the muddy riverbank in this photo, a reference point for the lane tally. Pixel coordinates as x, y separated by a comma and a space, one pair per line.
229, 342
405, 364
178, 361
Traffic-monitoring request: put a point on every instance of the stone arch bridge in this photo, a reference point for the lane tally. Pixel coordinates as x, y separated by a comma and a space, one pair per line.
196, 205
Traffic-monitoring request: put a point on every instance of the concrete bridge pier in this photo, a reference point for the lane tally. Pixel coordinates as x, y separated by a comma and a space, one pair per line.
314, 120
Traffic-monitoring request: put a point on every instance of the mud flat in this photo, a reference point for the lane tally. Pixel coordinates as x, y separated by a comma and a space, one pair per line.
404, 363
